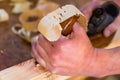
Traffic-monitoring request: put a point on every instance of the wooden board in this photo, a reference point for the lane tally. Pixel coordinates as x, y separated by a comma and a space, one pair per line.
29, 71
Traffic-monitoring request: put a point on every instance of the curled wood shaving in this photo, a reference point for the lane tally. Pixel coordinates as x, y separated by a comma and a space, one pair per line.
47, 6
28, 36
30, 19
21, 6
3, 15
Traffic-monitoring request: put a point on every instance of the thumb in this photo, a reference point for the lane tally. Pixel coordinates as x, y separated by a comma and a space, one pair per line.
78, 30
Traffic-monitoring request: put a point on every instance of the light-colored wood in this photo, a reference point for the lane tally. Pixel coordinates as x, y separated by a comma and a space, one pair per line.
28, 71
23, 71
114, 44
117, 35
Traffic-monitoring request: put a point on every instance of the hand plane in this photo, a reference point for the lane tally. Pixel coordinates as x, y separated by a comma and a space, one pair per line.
102, 16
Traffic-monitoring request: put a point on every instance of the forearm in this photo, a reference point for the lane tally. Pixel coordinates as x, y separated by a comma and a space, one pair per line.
106, 62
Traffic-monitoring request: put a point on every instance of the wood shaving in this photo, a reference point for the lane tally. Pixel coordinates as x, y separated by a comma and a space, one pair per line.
20, 31
3, 15
21, 6
47, 6
30, 19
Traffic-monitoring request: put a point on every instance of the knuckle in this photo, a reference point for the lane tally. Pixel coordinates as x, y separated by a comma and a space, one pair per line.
62, 46
56, 59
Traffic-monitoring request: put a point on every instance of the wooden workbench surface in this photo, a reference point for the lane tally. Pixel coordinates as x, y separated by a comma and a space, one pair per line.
13, 49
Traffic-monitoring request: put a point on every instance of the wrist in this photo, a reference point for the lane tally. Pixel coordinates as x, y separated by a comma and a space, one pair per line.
87, 63
106, 62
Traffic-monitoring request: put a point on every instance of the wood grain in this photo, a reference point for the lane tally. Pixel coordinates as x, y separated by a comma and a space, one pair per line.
23, 71
28, 71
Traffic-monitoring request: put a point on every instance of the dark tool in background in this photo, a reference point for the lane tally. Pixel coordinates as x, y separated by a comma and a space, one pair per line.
102, 17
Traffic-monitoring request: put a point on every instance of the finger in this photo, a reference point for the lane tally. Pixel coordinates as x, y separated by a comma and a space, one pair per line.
37, 56
78, 30
112, 27
45, 44
51, 47
87, 10
44, 56
42, 52
79, 33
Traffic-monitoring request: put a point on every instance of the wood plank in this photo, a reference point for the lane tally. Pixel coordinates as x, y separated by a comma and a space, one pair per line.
28, 71
23, 71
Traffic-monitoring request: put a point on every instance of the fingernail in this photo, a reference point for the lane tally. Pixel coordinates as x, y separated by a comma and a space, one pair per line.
107, 33
43, 63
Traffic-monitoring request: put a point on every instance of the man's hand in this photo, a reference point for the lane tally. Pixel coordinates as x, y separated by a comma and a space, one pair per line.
74, 55
69, 55
90, 6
